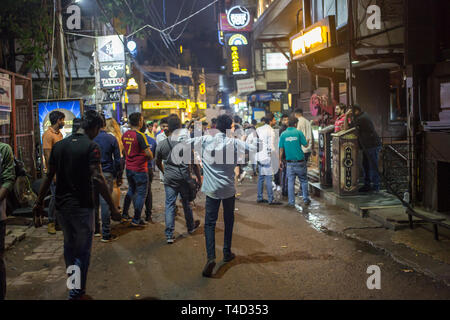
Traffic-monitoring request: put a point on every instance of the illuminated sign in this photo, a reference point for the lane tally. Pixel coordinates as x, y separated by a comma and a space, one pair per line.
202, 105
112, 74
132, 84
163, 104
110, 48
276, 61
238, 17
202, 88
235, 61
237, 40
319, 36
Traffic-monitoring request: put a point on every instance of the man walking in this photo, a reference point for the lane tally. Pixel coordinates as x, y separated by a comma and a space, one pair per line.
7, 178
51, 136
175, 176
218, 185
370, 144
265, 172
137, 152
111, 168
76, 162
291, 142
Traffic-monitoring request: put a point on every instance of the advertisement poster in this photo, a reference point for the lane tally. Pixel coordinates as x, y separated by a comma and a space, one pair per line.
5, 93
71, 108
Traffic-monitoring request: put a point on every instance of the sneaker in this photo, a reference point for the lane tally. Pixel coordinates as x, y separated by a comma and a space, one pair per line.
278, 188
208, 269
307, 202
51, 228
262, 201
170, 240
149, 219
141, 223
110, 239
229, 257
196, 225
275, 203
364, 188
290, 205
126, 218
97, 234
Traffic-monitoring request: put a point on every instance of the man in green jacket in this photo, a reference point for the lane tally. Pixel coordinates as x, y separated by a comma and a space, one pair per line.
7, 178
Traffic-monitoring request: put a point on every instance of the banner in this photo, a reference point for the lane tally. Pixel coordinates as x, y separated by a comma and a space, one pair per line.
245, 85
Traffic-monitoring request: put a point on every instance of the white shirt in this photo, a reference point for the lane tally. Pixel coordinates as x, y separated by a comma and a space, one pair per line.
304, 125
267, 135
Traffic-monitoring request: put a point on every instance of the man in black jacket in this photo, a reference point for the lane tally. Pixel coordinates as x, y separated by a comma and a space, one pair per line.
370, 144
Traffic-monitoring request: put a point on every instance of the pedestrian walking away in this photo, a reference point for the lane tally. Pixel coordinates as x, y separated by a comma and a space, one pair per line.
291, 142
76, 163
218, 185
138, 153
175, 178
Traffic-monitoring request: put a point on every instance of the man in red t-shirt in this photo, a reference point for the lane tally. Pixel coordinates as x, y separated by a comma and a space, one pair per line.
137, 153
340, 121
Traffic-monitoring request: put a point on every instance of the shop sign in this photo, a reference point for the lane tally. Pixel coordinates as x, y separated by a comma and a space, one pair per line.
238, 52
5, 93
238, 17
110, 48
112, 75
237, 39
132, 84
319, 36
202, 88
164, 104
245, 85
276, 61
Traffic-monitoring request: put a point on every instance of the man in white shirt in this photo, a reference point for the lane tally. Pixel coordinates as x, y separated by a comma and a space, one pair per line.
304, 125
265, 171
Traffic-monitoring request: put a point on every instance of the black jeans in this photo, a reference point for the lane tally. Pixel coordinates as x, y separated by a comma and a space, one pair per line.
149, 199
212, 211
2, 261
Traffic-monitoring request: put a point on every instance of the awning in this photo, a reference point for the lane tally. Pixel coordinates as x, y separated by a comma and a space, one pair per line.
278, 21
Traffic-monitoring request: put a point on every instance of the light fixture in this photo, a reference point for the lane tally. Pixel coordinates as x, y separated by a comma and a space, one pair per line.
355, 62
131, 45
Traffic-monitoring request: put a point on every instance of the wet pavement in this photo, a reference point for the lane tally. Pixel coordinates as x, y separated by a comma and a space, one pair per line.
320, 252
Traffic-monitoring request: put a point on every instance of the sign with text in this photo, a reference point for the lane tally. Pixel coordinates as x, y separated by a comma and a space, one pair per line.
276, 61
245, 85
319, 36
238, 53
110, 48
112, 74
238, 21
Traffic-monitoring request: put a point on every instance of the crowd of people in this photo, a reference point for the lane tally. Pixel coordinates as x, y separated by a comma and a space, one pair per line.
85, 170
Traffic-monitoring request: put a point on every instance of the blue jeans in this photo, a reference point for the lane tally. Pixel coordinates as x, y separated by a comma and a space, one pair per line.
211, 215
370, 166
78, 229
171, 198
148, 200
284, 181
268, 181
137, 191
297, 169
100, 203
52, 204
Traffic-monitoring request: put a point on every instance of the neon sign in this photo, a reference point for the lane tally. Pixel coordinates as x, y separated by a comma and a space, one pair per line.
238, 17
237, 40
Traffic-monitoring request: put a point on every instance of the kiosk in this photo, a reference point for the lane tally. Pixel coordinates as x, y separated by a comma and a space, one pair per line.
345, 162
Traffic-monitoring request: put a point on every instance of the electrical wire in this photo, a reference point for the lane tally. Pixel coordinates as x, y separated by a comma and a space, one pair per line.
184, 28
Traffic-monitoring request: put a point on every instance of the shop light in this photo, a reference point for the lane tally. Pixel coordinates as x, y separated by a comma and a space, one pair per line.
163, 104
308, 40
355, 62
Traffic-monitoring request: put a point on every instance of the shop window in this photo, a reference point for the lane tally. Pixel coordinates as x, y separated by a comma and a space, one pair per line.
397, 111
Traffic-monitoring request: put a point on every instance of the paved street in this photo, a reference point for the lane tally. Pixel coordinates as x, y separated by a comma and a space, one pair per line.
281, 254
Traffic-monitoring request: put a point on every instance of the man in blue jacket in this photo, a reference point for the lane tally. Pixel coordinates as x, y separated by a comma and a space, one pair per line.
111, 167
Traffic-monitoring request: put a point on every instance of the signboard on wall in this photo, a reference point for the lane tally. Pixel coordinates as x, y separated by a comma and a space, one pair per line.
245, 85
112, 74
71, 108
238, 53
110, 48
236, 19
5, 93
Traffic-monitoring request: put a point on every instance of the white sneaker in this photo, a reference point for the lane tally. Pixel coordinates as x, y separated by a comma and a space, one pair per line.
278, 188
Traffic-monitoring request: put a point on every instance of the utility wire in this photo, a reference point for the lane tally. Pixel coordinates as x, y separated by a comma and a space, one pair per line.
51, 56
184, 28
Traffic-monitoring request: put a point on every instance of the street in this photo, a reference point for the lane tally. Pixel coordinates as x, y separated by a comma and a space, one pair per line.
281, 254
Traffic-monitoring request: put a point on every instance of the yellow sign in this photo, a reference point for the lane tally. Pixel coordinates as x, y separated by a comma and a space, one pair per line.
235, 59
163, 104
132, 84
202, 105
202, 88
237, 40
305, 42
